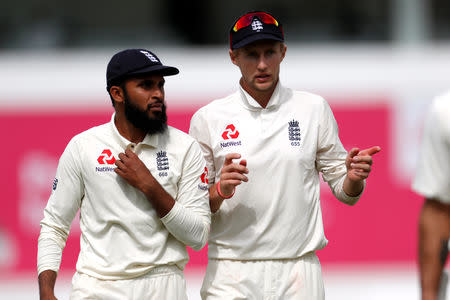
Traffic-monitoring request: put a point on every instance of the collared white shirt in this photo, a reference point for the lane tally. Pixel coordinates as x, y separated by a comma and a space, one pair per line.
277, 213
432, 179
121, 234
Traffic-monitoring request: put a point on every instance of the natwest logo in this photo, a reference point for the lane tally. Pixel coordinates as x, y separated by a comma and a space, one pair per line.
204, 177
106, 158
230, 132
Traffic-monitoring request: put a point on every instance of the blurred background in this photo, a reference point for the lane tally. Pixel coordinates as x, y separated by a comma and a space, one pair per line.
379, 63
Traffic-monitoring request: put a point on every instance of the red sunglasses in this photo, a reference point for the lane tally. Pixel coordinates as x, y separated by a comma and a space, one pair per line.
247, 19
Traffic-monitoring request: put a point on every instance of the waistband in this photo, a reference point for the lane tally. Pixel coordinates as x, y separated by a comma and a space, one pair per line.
153, 272
306, 257
162, 270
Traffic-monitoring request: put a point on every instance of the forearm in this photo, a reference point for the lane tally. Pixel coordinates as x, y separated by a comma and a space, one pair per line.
215, 201
433, 232
190, 226
352, 188
47, 280
161, 201
51, 243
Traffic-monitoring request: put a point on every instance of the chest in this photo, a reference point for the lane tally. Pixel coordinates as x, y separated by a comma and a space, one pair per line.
98, 164
281, 137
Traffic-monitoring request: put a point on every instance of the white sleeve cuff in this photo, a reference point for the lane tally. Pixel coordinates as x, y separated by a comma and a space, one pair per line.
49, 255
343, 197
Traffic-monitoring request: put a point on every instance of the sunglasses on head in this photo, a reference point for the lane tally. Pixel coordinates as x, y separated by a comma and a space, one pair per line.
247, 19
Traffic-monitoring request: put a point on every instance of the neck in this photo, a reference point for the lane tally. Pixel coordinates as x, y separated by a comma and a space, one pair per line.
262, 97
127, 130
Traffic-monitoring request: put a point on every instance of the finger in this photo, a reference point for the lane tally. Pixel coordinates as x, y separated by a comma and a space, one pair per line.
361, 174
243, 162
120, 164
233, 182
119, 172
353, 152
233, 176
361, 167
234, 168
229, 158
122, 156
371, 151
363, 159
129, 152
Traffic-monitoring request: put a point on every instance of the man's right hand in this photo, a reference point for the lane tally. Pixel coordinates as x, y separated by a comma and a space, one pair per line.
232, 175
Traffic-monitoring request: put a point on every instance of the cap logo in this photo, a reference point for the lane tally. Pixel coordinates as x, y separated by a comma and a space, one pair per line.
150, 56
257, 25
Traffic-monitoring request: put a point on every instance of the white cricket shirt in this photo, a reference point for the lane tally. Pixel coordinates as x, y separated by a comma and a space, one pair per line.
121, 234
432, 179
277, 213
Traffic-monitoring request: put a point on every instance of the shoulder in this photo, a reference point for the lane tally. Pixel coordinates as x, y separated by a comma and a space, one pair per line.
181, 143
88, 137
305, 100
93, 132
308, 97
439, 110
217, 105
441, 103
179, 138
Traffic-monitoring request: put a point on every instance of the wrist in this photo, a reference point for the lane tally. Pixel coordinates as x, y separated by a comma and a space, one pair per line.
353, 188
219, 192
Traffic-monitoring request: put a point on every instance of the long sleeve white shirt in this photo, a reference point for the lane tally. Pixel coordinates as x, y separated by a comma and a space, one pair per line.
433, 168
121, 234
277, 213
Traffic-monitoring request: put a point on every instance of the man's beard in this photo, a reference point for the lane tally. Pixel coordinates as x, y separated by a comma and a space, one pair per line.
140, 119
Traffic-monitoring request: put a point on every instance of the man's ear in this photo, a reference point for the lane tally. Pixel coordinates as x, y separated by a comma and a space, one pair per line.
283, 50
117, 93
233, 55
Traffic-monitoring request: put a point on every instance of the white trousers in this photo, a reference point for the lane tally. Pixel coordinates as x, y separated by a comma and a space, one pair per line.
161, 283
299, 279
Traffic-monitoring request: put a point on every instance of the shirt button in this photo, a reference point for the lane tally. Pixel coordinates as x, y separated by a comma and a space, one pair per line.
131, 147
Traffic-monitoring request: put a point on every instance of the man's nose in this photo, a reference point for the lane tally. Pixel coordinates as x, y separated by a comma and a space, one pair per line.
262, 64
158, 93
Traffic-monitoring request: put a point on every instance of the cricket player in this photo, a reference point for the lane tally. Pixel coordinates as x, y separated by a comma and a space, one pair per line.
432, 181
141, 190
265, 146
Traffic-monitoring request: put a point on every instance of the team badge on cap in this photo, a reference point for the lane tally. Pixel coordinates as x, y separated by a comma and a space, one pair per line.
257, 25
150, 56
254, 26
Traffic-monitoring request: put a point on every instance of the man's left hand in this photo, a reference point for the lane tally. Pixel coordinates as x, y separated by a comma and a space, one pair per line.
359, 163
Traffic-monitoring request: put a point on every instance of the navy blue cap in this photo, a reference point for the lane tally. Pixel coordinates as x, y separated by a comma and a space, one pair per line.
131, 62
257, 29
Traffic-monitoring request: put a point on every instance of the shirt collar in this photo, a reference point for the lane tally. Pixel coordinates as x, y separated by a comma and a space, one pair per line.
150, 140
251, 103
